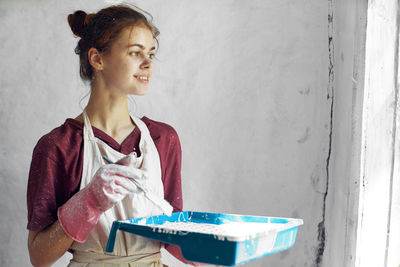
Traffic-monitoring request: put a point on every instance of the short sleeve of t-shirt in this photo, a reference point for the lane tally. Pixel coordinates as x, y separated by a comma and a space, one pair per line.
172, 170
42, 186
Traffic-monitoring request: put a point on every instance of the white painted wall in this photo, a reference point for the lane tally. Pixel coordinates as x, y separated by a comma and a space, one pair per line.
244, 83
363, 201
378, 222
342, 200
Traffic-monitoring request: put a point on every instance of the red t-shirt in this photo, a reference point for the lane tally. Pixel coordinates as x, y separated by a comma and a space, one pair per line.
57, 162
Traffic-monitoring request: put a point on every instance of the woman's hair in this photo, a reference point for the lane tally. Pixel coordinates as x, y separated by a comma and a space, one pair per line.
100, 29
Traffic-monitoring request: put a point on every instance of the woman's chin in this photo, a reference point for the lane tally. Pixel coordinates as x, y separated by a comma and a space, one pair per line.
139, 92
142, 93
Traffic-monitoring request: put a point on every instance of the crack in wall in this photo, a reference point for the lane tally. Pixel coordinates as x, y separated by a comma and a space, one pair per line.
330, 96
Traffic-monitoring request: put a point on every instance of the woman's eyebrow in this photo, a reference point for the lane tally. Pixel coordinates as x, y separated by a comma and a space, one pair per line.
140, 46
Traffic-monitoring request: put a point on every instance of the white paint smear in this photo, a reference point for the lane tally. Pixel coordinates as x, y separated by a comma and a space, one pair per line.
234, 231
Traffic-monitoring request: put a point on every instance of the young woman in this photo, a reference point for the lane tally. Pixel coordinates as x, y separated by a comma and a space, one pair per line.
73, 194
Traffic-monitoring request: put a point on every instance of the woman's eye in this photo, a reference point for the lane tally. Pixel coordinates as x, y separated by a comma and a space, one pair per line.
135, 53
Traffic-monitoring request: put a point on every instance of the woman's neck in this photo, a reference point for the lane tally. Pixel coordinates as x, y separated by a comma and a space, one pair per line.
108, 112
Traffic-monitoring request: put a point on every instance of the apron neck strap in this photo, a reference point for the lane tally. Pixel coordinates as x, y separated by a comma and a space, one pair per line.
140, 124
87, 129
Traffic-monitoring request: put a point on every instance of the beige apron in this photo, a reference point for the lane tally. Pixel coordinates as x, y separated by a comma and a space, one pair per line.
130, 250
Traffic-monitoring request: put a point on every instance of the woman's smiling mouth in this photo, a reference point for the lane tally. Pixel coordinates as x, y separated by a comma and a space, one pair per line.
142, 78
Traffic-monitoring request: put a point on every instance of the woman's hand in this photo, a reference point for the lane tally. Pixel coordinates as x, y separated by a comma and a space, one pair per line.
111, 183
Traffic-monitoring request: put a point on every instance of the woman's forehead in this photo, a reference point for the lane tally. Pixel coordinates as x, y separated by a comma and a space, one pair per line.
139, 35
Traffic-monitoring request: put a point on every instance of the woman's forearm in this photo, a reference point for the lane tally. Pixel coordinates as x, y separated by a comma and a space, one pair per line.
48, 245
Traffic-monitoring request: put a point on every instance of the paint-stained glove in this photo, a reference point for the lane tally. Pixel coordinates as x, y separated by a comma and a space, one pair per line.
144, 186
79, 215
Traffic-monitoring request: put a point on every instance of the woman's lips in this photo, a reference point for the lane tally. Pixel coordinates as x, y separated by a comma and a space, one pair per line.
142, 78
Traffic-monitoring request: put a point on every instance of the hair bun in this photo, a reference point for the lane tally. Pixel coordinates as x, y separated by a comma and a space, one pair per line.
77, 22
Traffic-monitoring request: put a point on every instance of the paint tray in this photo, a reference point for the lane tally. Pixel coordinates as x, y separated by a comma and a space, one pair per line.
214, 238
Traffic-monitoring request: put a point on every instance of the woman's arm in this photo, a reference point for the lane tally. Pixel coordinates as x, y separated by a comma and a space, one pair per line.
80, 214
48, 245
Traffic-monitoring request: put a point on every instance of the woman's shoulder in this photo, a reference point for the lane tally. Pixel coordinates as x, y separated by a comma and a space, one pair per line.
158, 126
160, 130
60, 140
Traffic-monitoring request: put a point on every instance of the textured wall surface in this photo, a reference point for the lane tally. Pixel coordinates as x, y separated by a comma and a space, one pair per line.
245, 84
379, 218
348, 48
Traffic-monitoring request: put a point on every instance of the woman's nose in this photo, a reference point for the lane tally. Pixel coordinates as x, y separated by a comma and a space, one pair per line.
146, 63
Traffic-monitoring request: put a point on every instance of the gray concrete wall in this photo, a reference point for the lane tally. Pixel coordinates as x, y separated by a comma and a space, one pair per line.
245, 84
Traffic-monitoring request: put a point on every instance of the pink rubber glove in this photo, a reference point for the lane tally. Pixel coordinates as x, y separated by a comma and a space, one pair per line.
79, 215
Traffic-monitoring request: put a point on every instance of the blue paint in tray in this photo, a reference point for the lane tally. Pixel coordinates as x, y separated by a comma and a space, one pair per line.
211, 248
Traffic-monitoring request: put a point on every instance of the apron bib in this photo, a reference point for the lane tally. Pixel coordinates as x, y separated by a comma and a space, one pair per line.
130, 250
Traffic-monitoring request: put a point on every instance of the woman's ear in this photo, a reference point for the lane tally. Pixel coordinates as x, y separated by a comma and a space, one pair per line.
95, 59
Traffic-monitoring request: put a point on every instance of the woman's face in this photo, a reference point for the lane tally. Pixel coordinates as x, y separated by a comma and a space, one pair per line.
128, 65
